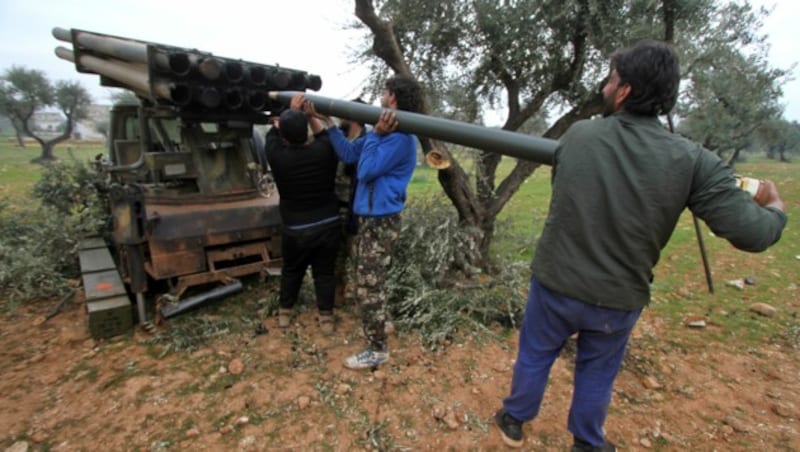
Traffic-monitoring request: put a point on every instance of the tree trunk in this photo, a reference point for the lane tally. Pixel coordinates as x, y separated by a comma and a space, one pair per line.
18, 133
782, 154
478, 208
20, 141
47, 155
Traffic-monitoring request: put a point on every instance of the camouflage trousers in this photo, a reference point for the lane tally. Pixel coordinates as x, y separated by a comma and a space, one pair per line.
376, 242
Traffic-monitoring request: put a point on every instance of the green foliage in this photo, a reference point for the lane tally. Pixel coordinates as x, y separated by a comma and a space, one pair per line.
70, 186
38, 247
189, 332
433, 289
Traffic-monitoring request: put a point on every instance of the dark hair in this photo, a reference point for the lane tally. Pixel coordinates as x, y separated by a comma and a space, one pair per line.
652, 71
358, 100
406, 91
293, 126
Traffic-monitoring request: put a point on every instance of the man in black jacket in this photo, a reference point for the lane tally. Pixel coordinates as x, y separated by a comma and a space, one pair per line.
304, 172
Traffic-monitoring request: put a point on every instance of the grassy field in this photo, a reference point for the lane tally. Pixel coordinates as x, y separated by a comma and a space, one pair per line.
680, 292
18, 174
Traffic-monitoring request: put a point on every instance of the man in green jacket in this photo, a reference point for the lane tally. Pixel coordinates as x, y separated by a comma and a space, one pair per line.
619, 186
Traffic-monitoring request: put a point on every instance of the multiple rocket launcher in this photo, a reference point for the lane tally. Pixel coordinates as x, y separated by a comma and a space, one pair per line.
187, 78
199, 82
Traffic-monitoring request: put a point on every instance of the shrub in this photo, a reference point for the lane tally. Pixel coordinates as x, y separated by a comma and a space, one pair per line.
432, 288
38, 246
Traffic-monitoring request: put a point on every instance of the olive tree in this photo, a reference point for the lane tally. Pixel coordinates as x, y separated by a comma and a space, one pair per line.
531, 59
24, 92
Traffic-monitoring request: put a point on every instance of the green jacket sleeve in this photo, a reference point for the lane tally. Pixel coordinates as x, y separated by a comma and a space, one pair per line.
729, 211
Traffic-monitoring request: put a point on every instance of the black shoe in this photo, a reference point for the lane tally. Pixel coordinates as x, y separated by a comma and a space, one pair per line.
582, 446
510, 428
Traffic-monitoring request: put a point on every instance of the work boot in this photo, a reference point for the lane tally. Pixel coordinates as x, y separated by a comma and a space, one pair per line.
284, 317
326, 323
582, 446
510, 429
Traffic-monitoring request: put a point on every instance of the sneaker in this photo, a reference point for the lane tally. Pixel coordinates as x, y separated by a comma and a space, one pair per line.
284, 317
510, 428
326, 323
582, 446
367, 359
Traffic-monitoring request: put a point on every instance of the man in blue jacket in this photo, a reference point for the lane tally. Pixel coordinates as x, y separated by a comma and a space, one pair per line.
385, 160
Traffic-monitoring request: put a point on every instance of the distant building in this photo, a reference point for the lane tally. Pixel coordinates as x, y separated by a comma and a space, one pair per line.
50, 123
47, 121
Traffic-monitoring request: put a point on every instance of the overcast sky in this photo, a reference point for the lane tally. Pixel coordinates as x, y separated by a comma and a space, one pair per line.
300, 34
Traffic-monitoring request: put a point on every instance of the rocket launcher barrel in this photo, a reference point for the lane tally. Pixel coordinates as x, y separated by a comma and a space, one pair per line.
192, 80
133, 76
512, 144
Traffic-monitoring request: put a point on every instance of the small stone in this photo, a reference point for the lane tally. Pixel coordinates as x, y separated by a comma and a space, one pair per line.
193, 432
774, 394
379, 374
650, 382
696, 323
303, 402
236, 366
736, 424
19, 446
737, 283
763, 309
645, 443
439, 412
38, 437
450, 419
784, 410
243, 420
500, 367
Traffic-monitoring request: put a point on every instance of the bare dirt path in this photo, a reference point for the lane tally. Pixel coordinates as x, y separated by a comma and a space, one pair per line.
61, 390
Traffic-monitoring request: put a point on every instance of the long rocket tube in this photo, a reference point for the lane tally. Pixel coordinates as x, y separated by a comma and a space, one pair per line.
127, 50
134, 76
512, 144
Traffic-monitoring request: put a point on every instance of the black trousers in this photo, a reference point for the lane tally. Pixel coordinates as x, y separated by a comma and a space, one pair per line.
316, 247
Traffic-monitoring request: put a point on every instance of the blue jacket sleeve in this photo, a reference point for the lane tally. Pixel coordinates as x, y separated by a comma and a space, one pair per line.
380, 154
348, 151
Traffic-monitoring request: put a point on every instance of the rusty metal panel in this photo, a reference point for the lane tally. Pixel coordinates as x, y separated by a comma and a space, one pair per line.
171, 263
103, 284
96, 260
169, 222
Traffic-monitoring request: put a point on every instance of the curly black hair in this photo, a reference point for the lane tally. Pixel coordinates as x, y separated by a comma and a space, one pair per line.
651, 69
407, 92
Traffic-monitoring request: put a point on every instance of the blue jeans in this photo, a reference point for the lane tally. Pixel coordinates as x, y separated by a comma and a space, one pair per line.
550, 319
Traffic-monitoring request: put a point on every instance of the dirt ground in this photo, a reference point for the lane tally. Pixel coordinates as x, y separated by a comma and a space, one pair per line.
287, 390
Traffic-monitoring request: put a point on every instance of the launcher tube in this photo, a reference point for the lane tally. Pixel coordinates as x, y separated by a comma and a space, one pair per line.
512, 144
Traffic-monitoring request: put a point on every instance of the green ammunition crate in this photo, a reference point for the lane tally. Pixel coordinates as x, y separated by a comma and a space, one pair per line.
110, 316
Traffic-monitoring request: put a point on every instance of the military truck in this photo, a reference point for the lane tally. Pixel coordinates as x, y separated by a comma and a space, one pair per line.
191, 202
